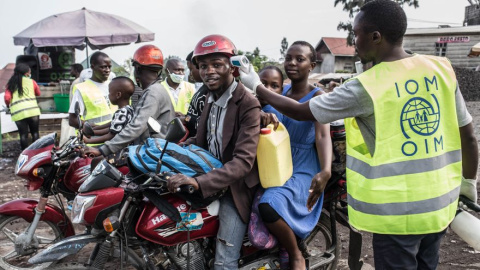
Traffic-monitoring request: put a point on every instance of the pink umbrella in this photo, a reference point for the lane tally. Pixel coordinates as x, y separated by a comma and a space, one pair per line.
76, 28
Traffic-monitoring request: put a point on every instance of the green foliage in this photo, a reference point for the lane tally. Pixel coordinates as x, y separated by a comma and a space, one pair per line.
120, 71
258, 60
353, 7
343, 71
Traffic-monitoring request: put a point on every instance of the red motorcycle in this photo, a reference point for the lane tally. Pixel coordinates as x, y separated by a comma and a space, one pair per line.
139, 216
29, 225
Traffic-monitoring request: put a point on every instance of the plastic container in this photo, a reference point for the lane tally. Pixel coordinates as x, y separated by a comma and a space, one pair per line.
62, 102
274, 156
467, 227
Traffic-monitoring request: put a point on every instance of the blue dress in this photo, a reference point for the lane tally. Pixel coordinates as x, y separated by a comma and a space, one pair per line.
290, 200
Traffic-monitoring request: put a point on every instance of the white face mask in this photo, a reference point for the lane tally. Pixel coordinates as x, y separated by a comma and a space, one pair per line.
175, 77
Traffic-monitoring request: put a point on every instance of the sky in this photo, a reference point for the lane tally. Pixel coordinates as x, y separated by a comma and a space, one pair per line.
179, 24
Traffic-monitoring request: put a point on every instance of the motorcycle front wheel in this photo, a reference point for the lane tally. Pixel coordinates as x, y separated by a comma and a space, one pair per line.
13, 226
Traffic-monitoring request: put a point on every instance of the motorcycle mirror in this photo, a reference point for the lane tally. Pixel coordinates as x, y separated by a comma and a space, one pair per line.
175, 130
77, 113
77, 108
87, 129
153, 126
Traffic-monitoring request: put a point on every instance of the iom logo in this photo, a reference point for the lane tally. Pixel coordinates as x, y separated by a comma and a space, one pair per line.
420, 116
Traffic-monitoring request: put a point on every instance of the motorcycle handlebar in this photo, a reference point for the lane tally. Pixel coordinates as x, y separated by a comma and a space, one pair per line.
469, 203
186, 188
183, 188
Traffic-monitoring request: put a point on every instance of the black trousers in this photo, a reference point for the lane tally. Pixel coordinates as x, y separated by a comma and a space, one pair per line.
26, 124
406, 251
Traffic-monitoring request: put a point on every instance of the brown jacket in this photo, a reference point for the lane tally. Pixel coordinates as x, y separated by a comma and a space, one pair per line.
241, 129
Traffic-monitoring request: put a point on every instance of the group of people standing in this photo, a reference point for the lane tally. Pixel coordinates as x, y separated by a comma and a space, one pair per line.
404, 175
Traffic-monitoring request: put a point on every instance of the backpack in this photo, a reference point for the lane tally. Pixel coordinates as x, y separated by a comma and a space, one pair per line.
189, 160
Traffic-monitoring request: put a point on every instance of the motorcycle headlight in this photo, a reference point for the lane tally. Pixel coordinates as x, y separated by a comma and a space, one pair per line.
80, 205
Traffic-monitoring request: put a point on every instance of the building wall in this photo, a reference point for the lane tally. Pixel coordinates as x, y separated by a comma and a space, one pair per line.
472, 15
456, 52
344, 63
328, 64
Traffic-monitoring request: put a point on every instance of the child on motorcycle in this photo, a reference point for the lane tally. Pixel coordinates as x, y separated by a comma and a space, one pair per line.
120, 90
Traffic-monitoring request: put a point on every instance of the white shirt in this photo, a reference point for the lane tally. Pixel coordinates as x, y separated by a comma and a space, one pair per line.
175, 92
77, 97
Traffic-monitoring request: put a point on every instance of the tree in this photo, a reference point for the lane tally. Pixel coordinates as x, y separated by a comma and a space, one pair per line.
258, 61
353, 7
284, 47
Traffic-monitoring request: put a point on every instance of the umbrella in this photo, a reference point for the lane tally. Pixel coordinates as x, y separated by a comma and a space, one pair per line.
475, 50
76, 28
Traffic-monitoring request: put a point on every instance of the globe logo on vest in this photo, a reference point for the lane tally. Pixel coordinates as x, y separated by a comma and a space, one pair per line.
420, 116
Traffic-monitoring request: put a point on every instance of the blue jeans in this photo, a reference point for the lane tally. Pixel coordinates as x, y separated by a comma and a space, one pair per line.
230, 235
409, 252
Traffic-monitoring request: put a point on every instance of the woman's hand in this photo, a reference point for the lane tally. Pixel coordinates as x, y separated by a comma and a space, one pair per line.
269, 118
177, 180
317, 187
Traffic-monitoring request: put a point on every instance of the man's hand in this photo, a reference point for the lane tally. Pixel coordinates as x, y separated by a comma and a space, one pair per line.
269, 118
319, 182
178, 180
468, 188
250, 79
181, 116
92, 152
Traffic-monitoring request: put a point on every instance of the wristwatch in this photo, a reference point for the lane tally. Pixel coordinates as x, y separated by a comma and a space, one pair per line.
187, 118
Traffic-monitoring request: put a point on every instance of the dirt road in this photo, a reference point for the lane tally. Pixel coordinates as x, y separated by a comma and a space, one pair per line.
454, 252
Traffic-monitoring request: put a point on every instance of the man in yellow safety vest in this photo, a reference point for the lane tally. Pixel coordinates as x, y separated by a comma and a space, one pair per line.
92, 95
411, 149
180, 91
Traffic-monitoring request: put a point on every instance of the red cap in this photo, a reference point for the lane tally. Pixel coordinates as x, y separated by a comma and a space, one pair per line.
265, 131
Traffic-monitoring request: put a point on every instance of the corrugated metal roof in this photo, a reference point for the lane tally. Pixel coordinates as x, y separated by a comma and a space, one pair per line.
462, 30
337, 46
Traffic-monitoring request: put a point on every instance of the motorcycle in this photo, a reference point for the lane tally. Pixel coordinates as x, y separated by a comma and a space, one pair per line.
140, 216
29, 225
170, 232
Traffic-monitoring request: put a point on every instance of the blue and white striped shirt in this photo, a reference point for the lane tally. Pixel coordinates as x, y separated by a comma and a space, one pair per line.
215, 120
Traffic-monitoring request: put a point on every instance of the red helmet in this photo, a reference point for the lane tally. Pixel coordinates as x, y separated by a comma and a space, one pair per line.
148, 55
214, 44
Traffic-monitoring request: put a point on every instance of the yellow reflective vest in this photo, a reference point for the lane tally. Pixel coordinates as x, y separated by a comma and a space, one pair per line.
184, 97
98, 109
24, 106
411, 184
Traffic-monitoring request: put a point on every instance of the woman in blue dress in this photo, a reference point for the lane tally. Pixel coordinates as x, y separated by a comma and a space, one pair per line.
292, 210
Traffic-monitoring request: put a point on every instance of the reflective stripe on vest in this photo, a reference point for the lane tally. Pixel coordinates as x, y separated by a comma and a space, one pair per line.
412, 182
184, 97
24, 106
98, 110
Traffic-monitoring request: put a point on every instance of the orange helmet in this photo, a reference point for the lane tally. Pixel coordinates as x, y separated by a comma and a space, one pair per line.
148, 55
214, 44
